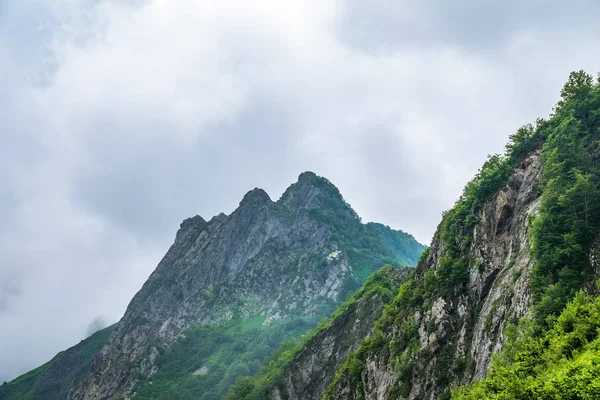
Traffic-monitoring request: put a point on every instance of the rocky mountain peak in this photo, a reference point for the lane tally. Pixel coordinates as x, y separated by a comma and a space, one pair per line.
192, 224
267, 272
256, 196
192, 221
273, 261
308, 176
312, 191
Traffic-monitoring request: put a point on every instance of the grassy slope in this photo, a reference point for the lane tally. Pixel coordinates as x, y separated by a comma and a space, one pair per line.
53, 379
228, 350
381, 284
236, 349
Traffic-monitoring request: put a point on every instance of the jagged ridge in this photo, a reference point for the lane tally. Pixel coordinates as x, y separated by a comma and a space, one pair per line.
267, 272
279, 264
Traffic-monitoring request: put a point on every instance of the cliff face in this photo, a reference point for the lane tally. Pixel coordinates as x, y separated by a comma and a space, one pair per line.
431, 337
313, 368
293, 256
501, 251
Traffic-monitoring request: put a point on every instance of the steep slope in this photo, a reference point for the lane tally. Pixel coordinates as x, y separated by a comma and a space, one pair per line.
549, 357
305, 371
520, 242
561, 364
54, 379
447, 321
268, 262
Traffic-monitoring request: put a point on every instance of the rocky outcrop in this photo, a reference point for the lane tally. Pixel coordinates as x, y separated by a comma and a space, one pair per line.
266, 258
314, 366
444, 338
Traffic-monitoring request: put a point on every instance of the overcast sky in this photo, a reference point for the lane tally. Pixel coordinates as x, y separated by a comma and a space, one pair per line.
120, 119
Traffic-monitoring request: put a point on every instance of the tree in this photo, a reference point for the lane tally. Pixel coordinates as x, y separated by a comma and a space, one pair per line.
578, 85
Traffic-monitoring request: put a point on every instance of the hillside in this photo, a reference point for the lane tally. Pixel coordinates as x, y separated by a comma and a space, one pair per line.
516, 248
305, 371
560, 364
54, 379
519, 243
230, 290
553, 353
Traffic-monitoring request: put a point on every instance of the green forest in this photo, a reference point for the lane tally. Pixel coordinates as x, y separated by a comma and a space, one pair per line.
563, 235
557, 355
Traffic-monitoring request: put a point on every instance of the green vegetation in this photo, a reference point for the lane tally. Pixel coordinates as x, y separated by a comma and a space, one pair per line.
400, 352
450, 278
54, 379
569, 218
563, 234
225, 351
556, 355
382, 283
569, 215
368, 246
456, 228
564, 363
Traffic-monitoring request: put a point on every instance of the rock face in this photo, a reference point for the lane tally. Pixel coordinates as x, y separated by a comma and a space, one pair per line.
447, 337
266, 258
314, 366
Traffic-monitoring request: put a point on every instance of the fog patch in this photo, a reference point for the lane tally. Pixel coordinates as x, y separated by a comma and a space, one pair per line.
98, 323
9, 287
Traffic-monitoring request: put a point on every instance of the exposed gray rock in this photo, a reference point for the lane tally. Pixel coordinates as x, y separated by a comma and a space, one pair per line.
470, 327
266, 258
314, 366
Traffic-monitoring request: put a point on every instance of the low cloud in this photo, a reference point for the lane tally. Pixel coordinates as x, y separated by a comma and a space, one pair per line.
98, 323
9, 287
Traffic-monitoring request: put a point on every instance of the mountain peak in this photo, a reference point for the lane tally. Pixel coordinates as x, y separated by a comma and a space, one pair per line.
311, 191
256, 196
314, 191
308, 176
190, 224
260, 269
312, 179
192, 221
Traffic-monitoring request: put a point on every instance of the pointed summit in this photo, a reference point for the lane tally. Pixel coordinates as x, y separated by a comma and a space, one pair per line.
308, 176
195, 223
313, 191
256, 196
192, 221
286, 263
